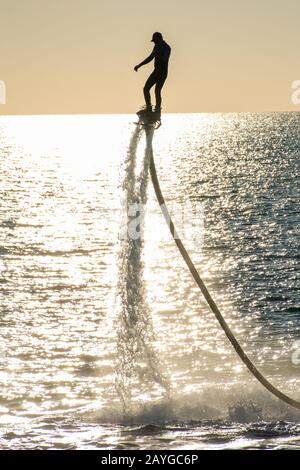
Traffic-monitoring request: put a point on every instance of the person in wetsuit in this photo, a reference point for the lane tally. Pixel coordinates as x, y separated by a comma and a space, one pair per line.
161, 53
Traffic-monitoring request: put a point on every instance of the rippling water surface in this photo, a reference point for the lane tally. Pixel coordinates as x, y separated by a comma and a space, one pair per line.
106, 342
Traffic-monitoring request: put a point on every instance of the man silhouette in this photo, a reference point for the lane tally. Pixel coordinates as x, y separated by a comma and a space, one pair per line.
161, 53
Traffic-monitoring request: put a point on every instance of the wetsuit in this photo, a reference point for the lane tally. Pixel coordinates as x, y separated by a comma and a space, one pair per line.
161, 54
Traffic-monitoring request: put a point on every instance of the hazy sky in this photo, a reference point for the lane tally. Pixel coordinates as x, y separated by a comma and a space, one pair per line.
77, 56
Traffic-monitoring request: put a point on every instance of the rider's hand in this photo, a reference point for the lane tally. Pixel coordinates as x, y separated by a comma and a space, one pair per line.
136, 68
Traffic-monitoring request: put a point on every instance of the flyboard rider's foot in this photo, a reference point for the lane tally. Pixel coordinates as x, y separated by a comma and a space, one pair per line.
157, 112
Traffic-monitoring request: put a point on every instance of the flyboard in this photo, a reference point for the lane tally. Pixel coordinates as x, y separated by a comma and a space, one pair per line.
149, 117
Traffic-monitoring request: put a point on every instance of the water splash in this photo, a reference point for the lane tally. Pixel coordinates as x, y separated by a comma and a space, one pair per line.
138, 370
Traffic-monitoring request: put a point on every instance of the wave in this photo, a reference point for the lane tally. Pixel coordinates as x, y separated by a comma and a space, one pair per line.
236, 405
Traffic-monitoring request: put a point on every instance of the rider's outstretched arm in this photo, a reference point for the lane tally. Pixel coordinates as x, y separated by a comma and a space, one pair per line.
146, 61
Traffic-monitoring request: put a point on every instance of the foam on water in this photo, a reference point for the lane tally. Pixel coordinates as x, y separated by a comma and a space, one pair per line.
239, 404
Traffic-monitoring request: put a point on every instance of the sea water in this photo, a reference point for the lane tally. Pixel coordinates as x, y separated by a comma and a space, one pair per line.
106, 341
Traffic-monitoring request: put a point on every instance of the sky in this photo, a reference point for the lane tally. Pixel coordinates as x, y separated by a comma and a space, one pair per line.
77, 56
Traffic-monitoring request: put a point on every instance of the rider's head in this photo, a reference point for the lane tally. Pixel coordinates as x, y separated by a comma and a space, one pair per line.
156, 38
